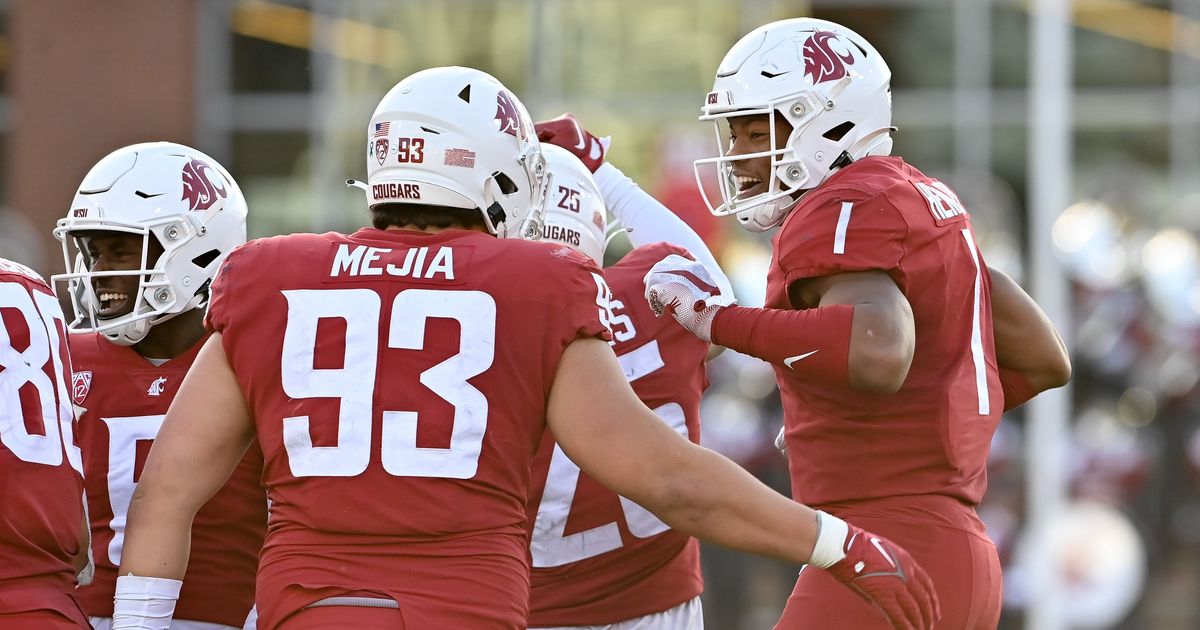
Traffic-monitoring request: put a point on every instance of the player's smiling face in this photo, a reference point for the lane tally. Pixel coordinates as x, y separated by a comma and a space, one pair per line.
752, 134
116, 251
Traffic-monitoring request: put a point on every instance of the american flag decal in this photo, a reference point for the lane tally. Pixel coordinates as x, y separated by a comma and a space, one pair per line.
460, 157
381, 129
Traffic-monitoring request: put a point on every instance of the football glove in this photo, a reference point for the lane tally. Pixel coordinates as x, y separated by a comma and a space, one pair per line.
686, 290
880, 571
566, 132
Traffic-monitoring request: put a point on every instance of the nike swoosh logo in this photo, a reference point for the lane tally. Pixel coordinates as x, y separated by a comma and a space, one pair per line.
581, 134
886, 556
799, 357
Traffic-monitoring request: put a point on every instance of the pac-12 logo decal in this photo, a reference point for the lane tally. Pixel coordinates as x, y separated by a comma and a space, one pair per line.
822, 61
81, 384
381, 150
201, 187
508, 115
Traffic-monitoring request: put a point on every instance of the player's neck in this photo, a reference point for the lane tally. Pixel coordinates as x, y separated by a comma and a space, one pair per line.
429, 229
172, 337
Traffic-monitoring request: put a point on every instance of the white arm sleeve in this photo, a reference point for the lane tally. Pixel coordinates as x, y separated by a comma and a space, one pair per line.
648, 221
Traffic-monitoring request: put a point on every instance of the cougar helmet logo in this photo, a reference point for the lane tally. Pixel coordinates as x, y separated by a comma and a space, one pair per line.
821, 61
200, 185
381, 150
508, 116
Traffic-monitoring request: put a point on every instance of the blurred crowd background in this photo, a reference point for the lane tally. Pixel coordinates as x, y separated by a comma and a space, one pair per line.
281, 92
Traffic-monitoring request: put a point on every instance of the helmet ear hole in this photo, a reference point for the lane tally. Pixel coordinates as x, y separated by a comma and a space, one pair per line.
204, 260
838, 132
506, 184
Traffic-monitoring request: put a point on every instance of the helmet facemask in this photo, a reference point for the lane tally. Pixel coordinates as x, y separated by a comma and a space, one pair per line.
788, 173
499, 187
156, 298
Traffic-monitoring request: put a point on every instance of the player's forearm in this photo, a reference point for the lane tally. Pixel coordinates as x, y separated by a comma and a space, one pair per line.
1027, 343
708, 496
158, 537
814, 343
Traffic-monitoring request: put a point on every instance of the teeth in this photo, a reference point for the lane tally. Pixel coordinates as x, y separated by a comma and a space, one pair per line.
105, 297
743, 182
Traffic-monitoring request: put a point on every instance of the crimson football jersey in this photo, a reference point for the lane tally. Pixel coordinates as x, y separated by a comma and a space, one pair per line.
932, 436
122, 400
41, 483
398, 381
600, 558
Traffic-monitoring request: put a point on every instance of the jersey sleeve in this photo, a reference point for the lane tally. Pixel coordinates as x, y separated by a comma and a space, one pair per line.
586, 309
228, 286
844, 233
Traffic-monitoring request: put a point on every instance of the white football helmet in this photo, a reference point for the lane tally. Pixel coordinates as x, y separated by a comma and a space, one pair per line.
831, 86
457, 137
575, 214
168, 192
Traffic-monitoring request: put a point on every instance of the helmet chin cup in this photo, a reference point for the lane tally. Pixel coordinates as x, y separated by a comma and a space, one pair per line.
764, 216
129, 333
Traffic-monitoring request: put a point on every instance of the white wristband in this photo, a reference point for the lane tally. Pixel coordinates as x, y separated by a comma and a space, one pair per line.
144, 603
831, 540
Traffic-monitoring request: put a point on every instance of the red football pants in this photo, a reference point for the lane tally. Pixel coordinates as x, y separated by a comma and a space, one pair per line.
342, 617
943, 535
40, 620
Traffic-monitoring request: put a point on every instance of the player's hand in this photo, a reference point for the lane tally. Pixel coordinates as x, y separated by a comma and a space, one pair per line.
566, 132
685, 289
884, 574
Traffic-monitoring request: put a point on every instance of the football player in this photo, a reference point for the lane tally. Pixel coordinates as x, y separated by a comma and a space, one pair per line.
399, 380
879, 314
43, 527
599, 559
146, 232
